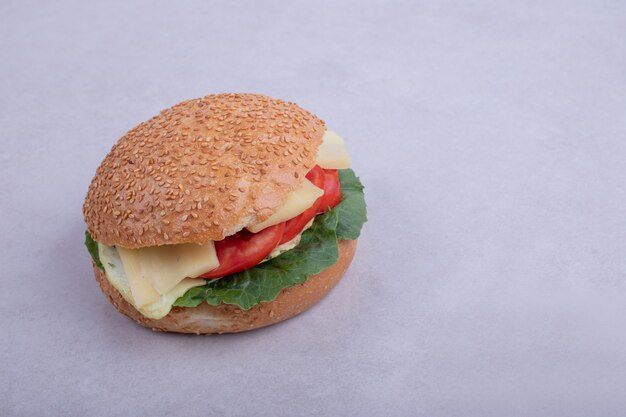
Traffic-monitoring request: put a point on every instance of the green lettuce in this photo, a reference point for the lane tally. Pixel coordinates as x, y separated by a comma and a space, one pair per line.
318, 249
351, 212
92, 247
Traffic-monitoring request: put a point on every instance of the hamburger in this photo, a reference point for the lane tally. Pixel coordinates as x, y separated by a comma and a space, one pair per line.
223, 214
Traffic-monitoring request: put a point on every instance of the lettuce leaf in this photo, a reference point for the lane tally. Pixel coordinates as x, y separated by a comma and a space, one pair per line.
318, 249
92, 247
352, 211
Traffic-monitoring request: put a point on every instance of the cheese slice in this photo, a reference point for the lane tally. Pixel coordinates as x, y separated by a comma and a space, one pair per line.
140, 285
114, 269
295, 203
163, 305
332, 153
160, 306
154, 271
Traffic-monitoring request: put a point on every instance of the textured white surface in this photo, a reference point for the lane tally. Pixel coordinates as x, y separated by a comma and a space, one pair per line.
490, 280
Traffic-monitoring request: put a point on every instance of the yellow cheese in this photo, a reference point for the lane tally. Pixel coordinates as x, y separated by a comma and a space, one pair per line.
140, 284
156, 270
160, 306
332, 153
163, 305
295, 203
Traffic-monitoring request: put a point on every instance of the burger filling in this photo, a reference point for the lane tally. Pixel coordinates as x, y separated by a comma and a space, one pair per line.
255, 264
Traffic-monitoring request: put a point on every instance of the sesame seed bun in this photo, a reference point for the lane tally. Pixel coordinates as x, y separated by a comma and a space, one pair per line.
225, 318
201, 170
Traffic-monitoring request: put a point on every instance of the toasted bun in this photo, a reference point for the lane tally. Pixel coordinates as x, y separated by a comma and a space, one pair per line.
201, 170
206, 319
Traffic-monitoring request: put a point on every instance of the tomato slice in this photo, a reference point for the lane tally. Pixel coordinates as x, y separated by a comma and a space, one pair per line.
245, 249
316, 176
332, 190
294, 226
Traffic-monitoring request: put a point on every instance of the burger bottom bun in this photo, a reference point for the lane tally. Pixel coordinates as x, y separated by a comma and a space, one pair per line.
227, 318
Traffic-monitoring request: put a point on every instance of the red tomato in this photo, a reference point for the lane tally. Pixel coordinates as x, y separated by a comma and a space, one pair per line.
294, 226
245, 249
332, 190
316, 176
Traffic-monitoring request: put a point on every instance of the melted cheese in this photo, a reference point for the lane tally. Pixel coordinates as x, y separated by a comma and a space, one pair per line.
160, 306
295, 203
332, 153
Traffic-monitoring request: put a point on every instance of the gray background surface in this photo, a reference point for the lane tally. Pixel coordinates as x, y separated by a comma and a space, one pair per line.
490, 279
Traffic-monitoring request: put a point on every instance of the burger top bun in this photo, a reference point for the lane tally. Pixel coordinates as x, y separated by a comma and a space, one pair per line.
201, 170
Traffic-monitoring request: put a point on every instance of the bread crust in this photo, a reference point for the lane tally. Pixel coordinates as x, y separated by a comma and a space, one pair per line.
225, 318
201, 170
